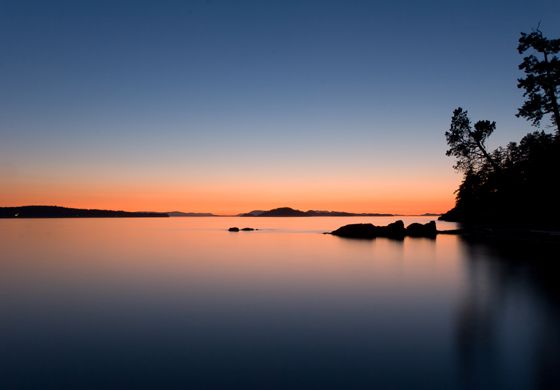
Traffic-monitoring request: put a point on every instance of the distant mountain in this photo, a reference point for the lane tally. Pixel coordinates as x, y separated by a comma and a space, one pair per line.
182, 214
65, 212
254, 213
284, 212
324, 213
290, 212
431, 215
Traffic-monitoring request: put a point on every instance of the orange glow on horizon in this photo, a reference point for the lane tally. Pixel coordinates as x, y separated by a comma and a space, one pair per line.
411, 197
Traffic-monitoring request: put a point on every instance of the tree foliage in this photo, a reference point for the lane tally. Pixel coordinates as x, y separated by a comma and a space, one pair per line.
515, 184
466, 144
523, 189
542, 78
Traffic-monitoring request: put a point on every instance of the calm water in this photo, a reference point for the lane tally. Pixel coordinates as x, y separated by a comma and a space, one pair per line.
182, 303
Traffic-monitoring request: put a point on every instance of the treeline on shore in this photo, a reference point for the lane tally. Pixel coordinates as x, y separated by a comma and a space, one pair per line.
515, 184
66, 212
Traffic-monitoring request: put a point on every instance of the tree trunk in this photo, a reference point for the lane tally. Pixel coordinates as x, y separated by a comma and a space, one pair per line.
486, 155
497, 169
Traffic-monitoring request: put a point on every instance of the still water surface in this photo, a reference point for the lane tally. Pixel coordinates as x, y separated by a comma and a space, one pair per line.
181, 303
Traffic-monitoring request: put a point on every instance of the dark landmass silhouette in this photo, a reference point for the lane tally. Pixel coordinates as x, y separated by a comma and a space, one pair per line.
183, 214
281, 212
510, 191
245, 229
66, 212
254, 213
40, 211
395, 230
290, 212
516, 190
453, 215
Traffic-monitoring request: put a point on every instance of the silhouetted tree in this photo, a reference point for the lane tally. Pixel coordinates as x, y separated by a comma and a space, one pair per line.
542, 81
520, 191
515, 184
467, 145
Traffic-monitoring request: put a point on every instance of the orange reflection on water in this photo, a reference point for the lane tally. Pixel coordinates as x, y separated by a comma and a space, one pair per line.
288, 254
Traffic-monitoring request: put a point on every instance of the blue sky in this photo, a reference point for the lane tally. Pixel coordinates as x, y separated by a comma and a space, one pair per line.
222, 91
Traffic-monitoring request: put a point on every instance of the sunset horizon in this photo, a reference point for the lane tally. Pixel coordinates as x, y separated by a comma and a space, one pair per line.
230, 213
279, 194
316, 110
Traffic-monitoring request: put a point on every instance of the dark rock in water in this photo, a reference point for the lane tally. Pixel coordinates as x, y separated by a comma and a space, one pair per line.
357, 230
422, 230
245, 229
368, 230
393, 230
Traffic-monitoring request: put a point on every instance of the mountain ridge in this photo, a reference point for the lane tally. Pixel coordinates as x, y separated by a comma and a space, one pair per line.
39, 211
189, 214
291, 212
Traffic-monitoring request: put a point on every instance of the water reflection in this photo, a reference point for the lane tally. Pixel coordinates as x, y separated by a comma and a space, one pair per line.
510, 297
182, 303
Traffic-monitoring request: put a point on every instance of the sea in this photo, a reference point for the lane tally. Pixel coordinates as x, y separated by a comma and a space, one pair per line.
181, 303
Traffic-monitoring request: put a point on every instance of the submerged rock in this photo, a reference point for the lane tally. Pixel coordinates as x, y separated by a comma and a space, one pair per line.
422, 230
233, 229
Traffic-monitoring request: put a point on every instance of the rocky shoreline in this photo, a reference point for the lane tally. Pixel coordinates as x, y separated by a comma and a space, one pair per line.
395, 230
475, 233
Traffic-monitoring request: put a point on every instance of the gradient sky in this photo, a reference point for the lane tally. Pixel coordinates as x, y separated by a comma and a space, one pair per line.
228, 106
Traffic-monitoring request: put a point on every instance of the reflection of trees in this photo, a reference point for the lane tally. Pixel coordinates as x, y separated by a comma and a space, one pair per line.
476, 324
495, 274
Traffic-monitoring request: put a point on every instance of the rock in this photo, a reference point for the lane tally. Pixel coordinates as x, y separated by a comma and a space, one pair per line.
233, 229
422, 230
357, 230
248, 229
393, 230
368, 230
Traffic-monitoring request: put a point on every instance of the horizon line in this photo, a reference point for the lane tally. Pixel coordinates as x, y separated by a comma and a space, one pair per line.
227, 215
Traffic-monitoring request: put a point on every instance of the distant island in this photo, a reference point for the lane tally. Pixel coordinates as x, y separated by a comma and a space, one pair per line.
65, 212
290, 212
182, 214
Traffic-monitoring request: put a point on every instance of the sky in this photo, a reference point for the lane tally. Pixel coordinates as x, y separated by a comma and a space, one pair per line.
229, 106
